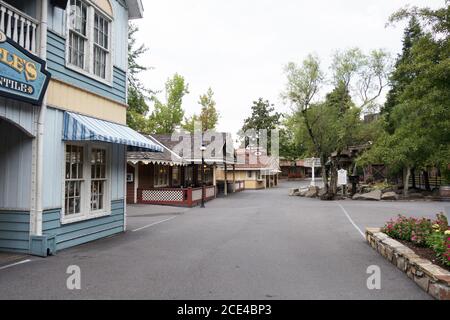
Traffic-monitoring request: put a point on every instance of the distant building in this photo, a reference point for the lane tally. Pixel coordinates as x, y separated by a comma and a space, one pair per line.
171, 177
294, 169
254, 168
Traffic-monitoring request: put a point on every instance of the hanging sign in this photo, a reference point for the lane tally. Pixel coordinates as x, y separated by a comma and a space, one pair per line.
342, 177
22, 74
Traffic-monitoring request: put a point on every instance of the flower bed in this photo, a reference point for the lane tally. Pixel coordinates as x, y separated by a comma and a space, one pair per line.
431, 278
418, 233
420, 247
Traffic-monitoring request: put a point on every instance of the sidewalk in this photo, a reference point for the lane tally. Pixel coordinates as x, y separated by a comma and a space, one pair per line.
147, 210
7, 258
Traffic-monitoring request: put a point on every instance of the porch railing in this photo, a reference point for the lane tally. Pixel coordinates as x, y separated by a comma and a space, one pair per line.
18, 26
188, 197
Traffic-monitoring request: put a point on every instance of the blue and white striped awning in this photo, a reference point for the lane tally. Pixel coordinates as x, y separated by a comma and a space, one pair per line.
84, 128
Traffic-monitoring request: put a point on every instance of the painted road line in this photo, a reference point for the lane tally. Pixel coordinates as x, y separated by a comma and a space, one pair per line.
152, 224
351, 221
15, 264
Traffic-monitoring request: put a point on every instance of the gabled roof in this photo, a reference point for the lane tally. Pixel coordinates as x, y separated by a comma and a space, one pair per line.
194, 154
165, 157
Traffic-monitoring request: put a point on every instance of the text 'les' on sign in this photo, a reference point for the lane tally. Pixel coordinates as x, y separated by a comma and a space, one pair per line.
22, 74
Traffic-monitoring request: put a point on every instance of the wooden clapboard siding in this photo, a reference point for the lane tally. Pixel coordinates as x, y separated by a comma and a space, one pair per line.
54, 162
56, 63
84, 231
14, 231
15, 167
120, 37
20, 113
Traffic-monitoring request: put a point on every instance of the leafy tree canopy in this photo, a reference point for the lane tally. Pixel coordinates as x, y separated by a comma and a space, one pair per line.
169, 115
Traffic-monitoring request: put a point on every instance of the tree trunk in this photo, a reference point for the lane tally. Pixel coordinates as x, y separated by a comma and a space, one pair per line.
406, 175
426, 179
333, 177
324, 176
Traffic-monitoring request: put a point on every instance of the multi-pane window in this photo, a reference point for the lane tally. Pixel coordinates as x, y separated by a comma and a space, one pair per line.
249, 174
86, 182
98, 178
176, 176
77, 33
208, 175
101, 45
161, 176
89, 39
74, 179
188, 175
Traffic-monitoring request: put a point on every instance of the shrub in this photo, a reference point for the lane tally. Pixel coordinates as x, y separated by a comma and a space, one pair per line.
436, 241
422, 229
423, 232
415, 230
446, 256
401, 228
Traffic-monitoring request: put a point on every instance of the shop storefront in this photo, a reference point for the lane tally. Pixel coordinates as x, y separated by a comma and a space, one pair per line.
166, 178
62, 123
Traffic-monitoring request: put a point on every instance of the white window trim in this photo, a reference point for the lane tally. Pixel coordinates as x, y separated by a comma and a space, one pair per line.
86, 213
89, 52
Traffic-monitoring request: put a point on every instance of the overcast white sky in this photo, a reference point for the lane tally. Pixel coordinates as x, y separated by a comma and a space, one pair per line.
239, 47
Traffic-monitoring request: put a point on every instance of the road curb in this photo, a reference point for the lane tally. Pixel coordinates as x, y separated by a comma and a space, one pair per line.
431, 278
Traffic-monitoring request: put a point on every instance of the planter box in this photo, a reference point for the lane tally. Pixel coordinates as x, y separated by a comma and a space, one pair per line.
430, 277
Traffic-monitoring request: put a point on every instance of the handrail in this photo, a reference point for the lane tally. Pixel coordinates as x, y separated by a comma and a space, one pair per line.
18, 26
21, 13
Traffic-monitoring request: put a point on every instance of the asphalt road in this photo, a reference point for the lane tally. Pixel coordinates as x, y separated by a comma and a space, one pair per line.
251, 245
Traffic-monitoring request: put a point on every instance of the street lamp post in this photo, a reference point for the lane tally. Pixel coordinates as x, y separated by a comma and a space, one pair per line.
202, 149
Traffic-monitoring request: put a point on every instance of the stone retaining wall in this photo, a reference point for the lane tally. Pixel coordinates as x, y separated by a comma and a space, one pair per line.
430, 277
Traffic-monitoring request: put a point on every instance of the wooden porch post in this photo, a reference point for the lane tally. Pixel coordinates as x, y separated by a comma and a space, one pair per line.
214, 167
225, 187
234, 178
136, 181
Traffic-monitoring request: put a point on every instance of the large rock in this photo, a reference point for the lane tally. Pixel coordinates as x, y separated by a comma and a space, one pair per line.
373, 195
302, 192
312, 192
389, 196
321, 193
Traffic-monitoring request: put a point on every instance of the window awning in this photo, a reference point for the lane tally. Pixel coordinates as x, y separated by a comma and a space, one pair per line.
84, 128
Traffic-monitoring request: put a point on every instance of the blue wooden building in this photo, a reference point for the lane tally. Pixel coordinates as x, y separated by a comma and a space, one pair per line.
63, 138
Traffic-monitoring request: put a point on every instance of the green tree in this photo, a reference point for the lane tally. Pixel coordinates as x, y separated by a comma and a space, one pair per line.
291, 148
137, 93
190, 123
419, 117
167, 116
330, 126
209, 115
263, 117
401, 75
137, 110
